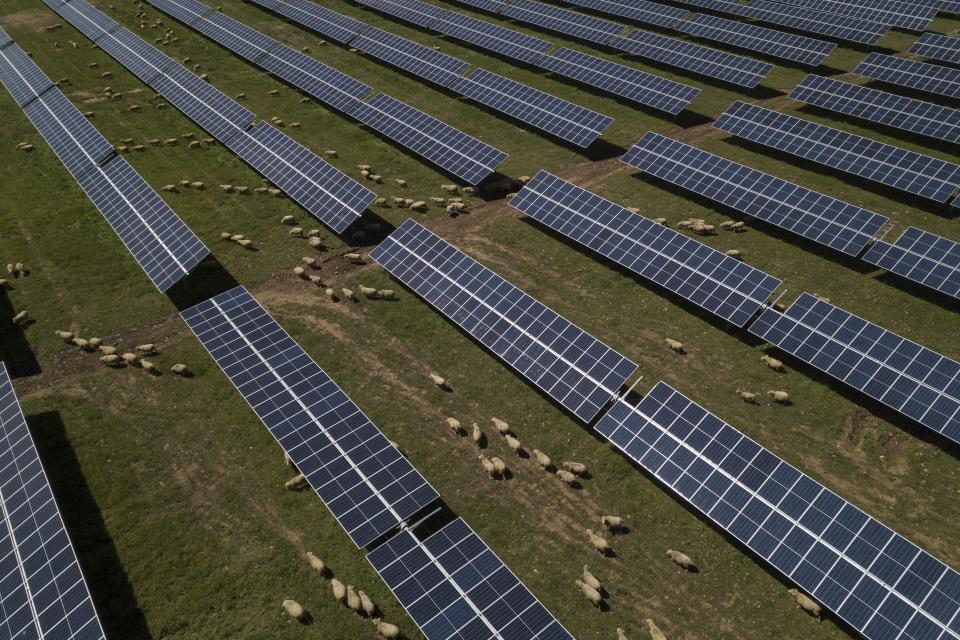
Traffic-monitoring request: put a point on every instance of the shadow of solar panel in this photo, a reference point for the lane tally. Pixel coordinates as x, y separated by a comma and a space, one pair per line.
708, 62
938, 47
564, 21
922, 257
568, 364
455, 587
21, 75
769, 41
896, 13
189, 12
723, 6
486, 35
328, 194
826, 24
160, 242
875, 580
413, 11
362, 479
141, 59
635, 85
247, 43
492, 6
917, 382
895, 167
221, 116
411, 56
567, 121
324, 83
922, 76
86, 18
723, 286
44, 592
450, 149
76, 142
908, 114
807, 213
637, 10
326, 22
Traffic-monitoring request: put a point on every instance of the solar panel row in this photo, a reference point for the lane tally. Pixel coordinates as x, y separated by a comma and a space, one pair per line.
240, 39
575, 369
507, 42
326, 84
87, 19
5, 38
186, 11
571, 23
923, 76
922, 257
874, 105
807, 213
875, 580
455, 587
411, 56
905, 376
723, 286
77, 143
326, 22
883, 163
22, 78
641, 11
368, 486
44, 593
938, 47
896, 13
141, 59
415, 12
826, 24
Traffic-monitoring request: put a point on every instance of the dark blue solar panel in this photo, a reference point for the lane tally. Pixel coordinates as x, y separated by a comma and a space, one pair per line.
938, 47
161, 243
493, 6
21, 75
878, 582
5, 38
895, 167
44, 593
451, 149
896, 13
324, 83
575, 124
413, 11
328, 194
775, 43
693, 57
186, 11
923, 257
315, 17
641, 11
723, 286
626, 82
76, 142
917, 382
874, 105
411, 56
492, 37
807, 213
242, 40
141, 59
86, 18
723, 6
568, 364
563, 21
932, 78
454, 587
368, 486
826, 24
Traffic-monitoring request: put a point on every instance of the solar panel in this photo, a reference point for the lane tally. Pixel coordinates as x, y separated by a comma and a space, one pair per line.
86, 18
903, 375
245, 42
575, 124
563, 21
892, 110
493, 6
895, 167
328, 194
635, 85
826, 24
923, 76
938, 47
362, 479
878, 582
160, 242
324, 83
895, 13
708, 62
5, 38
44, 592
788, 46
641, 11
413, 11
411, 56
923, 257
451, 149
186, 11
76, 142
568, 364
807, 213
507, 42
21, 75
326, 22
454, 586
141, 59
723, 286
723, 6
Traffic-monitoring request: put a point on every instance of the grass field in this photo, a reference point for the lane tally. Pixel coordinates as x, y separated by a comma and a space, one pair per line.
173, 490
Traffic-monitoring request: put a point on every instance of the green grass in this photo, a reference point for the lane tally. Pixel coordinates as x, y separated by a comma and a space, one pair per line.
173, 490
